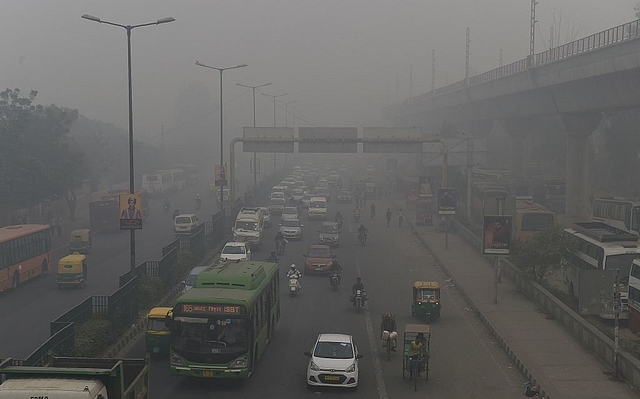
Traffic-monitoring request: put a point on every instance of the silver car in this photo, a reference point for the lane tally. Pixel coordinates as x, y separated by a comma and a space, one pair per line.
291, 228
329, 234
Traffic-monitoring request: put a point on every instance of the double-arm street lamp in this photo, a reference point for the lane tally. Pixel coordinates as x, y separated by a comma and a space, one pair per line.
129, 28
274, 121
198, 63
255, 165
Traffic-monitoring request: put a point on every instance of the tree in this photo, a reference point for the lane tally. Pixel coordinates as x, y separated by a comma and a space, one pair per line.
541, 254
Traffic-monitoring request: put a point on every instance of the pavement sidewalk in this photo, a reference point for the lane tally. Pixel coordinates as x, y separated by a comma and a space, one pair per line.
539, 347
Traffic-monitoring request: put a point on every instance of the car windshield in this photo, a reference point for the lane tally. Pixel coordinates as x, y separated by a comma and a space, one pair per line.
245, 225
319, 253
277, 194
214, 337
329, 229
291, 223
183, 220
318, 204
276, 201
334, 350
292, 211
234, 250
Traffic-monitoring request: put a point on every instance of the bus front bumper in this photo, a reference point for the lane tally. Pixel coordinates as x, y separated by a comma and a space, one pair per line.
210, 372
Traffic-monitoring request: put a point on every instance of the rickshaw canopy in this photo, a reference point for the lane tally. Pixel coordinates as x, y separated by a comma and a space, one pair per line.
433, 285
160, 312
415, 329
80, 235
74, 259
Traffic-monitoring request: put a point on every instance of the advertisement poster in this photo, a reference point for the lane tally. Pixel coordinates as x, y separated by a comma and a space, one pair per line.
130, 211
425, 186
221, 176
447, 201
496, 235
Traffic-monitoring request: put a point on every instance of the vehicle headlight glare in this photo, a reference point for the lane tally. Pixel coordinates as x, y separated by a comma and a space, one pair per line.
351, 368
314, 366
241, 362
176, 360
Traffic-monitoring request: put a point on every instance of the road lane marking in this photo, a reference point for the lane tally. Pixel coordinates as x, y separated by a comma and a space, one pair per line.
382, 390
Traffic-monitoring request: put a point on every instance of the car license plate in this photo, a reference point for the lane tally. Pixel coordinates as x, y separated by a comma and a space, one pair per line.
207, 373
318, 268
332, 378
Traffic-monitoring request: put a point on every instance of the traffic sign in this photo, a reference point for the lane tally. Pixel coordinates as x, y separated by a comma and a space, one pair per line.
271, 144
392, 139
328, 139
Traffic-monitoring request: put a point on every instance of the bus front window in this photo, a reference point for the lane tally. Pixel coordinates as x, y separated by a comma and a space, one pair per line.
197, 337
623, 263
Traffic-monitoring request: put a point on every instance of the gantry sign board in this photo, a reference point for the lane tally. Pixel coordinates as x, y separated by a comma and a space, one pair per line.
394, 135
271, 144
328, 139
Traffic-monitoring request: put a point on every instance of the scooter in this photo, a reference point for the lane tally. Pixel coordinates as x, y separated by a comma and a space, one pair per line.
294, 285
280, 247
358, 300
335, 280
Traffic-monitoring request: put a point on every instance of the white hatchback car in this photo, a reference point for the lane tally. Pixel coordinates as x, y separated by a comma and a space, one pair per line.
235, 251
333, 362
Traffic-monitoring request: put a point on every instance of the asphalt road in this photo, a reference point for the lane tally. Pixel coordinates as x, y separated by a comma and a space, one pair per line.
27, 312
465, 363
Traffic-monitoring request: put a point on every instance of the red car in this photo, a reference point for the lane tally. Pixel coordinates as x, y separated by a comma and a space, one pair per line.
318, 259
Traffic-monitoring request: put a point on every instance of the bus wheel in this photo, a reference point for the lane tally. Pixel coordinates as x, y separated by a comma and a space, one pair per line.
45, 266
16, 280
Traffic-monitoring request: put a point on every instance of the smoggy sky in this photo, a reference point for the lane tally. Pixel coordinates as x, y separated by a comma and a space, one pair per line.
338, 60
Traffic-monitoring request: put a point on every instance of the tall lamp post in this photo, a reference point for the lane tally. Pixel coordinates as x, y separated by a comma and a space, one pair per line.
255, 165
129, 28
198, 63
274, 121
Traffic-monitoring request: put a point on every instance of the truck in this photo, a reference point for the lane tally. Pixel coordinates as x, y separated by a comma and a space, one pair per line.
68, 377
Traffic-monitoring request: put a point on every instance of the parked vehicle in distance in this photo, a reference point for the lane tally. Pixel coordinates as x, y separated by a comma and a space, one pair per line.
318, 259
235, 250
333, 361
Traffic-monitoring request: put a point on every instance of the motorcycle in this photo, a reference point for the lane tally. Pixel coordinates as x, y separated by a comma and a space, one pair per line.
358, 300
362, 237
335, 280
356, 216
339, 223
294, 285
280, 247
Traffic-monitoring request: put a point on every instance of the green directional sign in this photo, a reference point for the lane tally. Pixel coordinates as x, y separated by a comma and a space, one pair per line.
328, 139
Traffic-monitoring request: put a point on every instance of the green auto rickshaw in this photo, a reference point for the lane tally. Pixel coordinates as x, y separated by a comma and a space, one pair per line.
80, 241
158, 335
426, 300
72, 271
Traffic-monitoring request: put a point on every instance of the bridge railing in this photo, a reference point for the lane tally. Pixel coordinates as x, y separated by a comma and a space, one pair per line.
501, 72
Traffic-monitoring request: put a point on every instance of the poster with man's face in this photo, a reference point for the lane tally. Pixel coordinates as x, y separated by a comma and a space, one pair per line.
221, 175
425, 188
130, 211
496, 235
447, 201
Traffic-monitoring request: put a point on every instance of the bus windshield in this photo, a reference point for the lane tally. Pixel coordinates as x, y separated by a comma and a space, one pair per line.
622, 262
197, 338
536, 221
318, 204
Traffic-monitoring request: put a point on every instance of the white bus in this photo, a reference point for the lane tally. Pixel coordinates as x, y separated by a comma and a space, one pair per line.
633, 319
163, 181
617, 212
600, 247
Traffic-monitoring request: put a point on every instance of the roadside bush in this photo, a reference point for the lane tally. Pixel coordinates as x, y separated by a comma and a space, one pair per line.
151, 289
542, 253
92, 337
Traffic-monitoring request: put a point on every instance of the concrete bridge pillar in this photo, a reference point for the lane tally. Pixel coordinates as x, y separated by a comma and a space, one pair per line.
518, 130
478, 129
579, 128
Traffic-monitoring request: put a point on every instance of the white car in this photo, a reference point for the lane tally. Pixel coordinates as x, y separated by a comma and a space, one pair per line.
333, 362
290, 212
291, 228
235, 251
184, 223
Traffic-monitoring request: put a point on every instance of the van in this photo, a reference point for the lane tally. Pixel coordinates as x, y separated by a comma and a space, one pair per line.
317, 208
279, 189
249, 226
184, 223
276, 205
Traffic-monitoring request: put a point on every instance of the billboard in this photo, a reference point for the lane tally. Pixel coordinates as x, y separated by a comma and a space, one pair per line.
221, 175
266, 139
130, 211
328, 139
392, 139
496, 235
425, 187
447, 201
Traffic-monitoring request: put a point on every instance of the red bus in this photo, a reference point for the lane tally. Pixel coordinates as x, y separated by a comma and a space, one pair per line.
25, 252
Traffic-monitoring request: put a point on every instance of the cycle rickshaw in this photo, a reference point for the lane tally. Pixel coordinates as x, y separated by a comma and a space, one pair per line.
416, 365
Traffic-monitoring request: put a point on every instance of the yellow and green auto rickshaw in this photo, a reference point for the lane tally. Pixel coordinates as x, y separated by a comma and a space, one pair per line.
158, 335
80, 241
426, 300
72, 271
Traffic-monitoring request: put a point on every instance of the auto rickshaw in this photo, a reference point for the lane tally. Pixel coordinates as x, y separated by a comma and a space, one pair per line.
158, 335
424, 213
426, 300
80, 241
72, 271
413, 366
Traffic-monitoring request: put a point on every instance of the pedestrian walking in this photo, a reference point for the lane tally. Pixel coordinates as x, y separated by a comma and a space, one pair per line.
389, 214
400, 218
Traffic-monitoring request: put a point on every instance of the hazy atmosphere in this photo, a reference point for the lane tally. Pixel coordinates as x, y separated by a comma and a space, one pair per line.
338, 60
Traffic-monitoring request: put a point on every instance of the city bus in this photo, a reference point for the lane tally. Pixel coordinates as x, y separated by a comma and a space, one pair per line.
633, 316
619, 213
599, 247
531, 218
25, 252
221, 327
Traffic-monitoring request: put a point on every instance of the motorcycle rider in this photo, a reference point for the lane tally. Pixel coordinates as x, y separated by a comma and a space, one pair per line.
356, 213
273, 258
335, 268
358, 285
295, 273
198, 201
388, 329
362, 231
280, 240
167, 204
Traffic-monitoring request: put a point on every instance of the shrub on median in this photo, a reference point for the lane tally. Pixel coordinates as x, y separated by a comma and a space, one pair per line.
92, 337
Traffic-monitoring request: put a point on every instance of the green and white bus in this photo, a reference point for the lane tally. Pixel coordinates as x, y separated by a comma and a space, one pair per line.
221, 327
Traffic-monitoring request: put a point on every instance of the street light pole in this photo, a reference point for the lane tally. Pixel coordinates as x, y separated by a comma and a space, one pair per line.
274, 122
129, 28
255, 165
198, 63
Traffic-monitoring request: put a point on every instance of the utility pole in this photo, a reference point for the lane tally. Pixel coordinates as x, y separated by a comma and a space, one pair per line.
397, 87
466, 66
497, 278
532, 37
410, 78
469, 175
433, 72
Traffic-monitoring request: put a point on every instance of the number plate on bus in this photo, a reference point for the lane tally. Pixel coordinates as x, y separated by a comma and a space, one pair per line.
207, 373
332, 378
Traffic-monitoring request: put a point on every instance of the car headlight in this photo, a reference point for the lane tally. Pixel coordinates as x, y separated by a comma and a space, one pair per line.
239, 363
351, 368
314, 366
176, 360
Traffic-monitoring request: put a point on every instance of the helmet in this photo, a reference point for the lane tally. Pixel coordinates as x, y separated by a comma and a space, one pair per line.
359, 279
273, 252
293, 266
